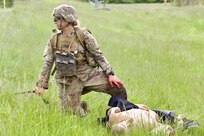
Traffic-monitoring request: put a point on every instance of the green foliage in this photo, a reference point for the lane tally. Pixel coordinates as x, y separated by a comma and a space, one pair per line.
84, 0
134, 1
188, 2
156, 50
9, 3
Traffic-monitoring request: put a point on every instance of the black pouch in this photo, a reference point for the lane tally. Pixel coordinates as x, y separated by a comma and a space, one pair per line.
65, 64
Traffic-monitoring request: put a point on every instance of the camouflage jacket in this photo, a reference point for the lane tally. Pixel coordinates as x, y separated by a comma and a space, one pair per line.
84, 71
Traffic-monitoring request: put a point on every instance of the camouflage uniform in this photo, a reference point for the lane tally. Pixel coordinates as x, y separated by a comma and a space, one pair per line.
87, 78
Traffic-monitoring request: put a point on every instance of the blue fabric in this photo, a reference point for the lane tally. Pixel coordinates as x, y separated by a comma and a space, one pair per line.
165, 115
122, 103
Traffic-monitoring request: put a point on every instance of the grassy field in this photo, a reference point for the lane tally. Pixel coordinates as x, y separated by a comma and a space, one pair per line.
156, 50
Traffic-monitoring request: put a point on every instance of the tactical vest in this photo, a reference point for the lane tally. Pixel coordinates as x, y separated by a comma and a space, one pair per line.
66, 49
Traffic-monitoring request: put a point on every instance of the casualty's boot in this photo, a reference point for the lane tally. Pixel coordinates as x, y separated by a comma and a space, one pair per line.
190, 123
185, 123
103, 120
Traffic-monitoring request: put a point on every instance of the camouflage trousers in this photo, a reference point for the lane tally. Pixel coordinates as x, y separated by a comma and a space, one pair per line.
69, 93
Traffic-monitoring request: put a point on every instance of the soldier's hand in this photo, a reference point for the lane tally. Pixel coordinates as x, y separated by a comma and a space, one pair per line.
114, 80
38, 91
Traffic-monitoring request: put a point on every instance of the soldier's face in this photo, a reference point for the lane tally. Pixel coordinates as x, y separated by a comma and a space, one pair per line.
60, 23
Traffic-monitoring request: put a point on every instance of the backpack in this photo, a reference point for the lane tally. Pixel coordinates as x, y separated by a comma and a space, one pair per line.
90, 58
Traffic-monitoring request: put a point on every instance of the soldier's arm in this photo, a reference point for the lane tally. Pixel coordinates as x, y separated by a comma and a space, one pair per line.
93, 47
44, 76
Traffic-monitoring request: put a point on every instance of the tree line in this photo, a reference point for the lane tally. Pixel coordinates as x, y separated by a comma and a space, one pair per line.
135, 1
6, 3
188, 2
9, 3
174, 2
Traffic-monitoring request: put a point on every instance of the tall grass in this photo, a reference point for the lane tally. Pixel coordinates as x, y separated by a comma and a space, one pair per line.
156, 50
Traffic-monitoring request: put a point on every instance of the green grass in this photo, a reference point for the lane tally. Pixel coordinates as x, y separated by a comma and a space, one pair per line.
156, 50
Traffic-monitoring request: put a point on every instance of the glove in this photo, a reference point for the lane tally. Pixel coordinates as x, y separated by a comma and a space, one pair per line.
114, 80
38, 91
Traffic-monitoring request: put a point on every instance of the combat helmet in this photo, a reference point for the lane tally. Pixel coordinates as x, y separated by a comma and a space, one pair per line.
65, 11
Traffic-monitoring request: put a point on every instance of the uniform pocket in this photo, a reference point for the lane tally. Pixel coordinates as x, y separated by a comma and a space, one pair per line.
65, 64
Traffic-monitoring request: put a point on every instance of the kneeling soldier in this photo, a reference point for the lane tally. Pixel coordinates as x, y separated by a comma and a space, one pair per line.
80, 65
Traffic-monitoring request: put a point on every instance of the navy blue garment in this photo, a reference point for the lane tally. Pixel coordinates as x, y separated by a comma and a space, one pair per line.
117, 101
165, 115
120, 102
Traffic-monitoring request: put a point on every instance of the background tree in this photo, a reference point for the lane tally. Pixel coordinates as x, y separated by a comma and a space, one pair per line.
188, 2
6, 3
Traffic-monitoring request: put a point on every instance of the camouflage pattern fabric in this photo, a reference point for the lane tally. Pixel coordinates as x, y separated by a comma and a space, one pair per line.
69, 95
65, 11
87, 79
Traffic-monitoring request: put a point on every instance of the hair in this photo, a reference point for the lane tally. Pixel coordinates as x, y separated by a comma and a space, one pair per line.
75, 23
